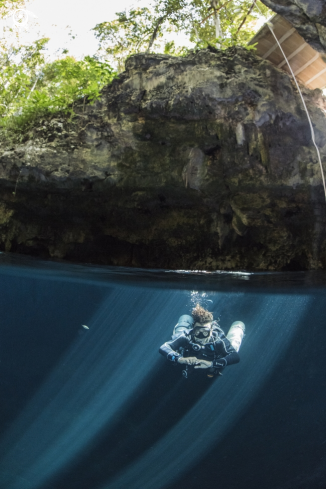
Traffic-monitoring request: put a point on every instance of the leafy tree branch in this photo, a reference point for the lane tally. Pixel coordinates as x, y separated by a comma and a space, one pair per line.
216, 22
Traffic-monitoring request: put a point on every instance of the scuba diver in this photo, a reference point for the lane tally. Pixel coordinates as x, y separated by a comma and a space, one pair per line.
198, 342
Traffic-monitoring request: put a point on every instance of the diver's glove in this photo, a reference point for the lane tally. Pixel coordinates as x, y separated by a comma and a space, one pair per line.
173, 357
219, 364
188, 360
217, 367
203, 364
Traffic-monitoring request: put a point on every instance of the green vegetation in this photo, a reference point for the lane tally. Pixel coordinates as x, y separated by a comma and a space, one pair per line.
6, 6
32, 88
219, 23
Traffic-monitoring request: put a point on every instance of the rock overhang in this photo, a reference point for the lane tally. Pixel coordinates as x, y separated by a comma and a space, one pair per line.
197, 162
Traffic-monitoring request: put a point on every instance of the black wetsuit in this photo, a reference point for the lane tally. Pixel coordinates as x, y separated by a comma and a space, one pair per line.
219, 350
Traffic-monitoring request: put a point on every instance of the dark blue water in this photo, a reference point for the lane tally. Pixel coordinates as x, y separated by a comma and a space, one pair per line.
99, 408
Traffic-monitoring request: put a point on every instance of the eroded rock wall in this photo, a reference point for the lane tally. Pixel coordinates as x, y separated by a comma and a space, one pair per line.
204, 162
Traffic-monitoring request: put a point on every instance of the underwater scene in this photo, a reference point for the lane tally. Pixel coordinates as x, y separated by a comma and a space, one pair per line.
88, 401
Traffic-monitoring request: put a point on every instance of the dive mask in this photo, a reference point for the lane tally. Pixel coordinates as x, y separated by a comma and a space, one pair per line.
202, 331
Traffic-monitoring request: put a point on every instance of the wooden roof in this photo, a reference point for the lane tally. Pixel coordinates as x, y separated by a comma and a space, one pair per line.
306, 63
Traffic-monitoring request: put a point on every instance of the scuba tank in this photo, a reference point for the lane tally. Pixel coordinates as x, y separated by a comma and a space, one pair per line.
184, 325
236, 334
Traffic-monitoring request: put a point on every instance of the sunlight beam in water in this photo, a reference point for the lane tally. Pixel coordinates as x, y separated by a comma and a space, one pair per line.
268, 337
107, 366
101, 372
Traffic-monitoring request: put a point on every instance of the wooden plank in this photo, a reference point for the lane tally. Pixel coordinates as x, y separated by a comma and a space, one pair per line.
306, 63
303, 58
285, 36
316, 76
290, 56
313, 70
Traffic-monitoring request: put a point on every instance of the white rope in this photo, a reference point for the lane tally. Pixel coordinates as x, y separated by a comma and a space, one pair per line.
270, 26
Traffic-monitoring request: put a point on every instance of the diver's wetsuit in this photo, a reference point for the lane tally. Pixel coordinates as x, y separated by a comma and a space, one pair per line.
219, 350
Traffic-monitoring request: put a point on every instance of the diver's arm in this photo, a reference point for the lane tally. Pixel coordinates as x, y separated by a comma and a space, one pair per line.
232, 358
220, 363
169, 349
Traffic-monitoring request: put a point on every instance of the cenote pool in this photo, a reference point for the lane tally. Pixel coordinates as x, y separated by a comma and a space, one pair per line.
87, 402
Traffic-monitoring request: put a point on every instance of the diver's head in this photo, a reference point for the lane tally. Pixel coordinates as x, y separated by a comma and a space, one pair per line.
201, 315
202, 328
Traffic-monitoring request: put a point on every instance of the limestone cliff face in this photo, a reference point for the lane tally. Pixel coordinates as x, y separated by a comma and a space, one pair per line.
204, 162
307, 16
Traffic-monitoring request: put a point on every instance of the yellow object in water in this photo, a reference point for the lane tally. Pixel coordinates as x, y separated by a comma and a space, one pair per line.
84, 326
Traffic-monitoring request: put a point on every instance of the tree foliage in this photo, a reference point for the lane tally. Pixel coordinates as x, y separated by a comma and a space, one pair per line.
145, 29
30, 88
7, 6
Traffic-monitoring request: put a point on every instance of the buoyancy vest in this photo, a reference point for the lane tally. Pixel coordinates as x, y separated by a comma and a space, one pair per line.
218, 347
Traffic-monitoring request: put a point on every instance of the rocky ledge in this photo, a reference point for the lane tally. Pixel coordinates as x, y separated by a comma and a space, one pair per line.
202, 162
